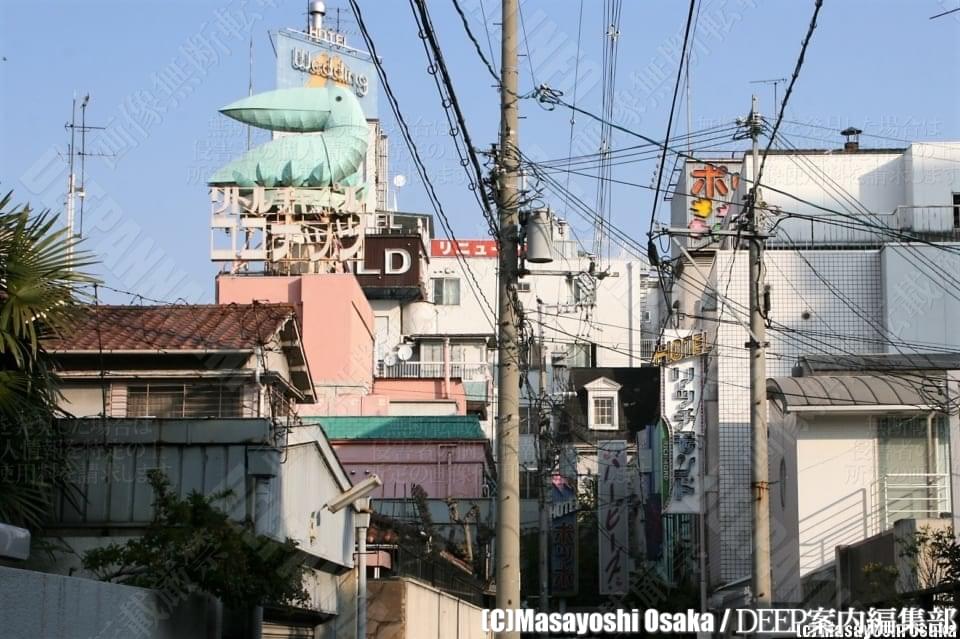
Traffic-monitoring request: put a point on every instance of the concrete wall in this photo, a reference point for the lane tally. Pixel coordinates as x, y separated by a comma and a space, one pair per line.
621, 298
918, 309
387, 316
799, 300
423, 390
782, 469
335, 318
50, 606
408, 609
838, 473
306, 485
932, 173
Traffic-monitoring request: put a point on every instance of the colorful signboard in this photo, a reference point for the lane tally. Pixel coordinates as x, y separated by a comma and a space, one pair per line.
713, 189
466, 248
312, 60
613, 517
563, 539
683, 411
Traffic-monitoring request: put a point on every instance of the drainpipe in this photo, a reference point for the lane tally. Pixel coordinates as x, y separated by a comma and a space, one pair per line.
363, 521
446, 368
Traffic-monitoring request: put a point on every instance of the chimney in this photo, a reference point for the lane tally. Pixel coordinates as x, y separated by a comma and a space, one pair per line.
852, 135
315, 12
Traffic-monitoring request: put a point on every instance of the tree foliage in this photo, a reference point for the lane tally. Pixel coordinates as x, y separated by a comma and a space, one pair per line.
40, 279
933, 556
192, 546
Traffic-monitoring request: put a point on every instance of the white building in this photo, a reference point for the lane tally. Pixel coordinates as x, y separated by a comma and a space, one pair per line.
843, 282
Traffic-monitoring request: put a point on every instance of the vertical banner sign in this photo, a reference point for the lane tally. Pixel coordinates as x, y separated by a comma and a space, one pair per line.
612, 517
563, 539
682, 384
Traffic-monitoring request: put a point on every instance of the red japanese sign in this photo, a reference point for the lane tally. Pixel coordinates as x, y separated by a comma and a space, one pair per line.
467, 248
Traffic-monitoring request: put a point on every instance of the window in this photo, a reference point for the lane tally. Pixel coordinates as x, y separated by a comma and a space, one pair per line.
446, 291
529, 420
185, 400
602, 404
603, 412
534, 355
529, 484
956, 210
523, 287
578, 355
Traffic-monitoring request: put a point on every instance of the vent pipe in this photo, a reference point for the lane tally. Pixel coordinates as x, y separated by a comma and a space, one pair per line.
852, 135
316, 9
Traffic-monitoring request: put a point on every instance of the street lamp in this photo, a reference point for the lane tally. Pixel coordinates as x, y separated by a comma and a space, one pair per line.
357, 496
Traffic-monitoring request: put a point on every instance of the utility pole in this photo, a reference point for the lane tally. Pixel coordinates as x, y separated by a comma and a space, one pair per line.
762, 584
508, 383
545, 463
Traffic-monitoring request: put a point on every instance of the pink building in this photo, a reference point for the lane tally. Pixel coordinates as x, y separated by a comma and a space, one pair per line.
338, 338
448, 456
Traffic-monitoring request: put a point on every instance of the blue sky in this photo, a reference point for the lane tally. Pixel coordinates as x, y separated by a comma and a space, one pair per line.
881, 65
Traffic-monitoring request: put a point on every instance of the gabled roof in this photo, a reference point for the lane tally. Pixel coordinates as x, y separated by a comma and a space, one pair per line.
401, 427
188, 327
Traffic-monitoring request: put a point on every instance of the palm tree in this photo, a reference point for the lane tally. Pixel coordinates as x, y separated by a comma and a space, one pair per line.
40, 290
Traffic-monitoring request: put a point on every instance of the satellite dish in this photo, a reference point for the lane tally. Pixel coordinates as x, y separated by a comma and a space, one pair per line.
390, 359
404, 352
399, 181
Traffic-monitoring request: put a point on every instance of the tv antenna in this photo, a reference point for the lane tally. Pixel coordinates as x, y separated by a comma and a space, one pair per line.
775, 82
73, 190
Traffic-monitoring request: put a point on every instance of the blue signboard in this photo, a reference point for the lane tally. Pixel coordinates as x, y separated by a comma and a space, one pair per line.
313, 60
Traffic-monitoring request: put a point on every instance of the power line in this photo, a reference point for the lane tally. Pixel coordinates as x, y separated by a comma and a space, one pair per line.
421, 168
786, 96
428, 35
673, 105
476, 44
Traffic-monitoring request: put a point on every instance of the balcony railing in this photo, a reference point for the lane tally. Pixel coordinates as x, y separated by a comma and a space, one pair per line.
914, 496
928, 223
468, 371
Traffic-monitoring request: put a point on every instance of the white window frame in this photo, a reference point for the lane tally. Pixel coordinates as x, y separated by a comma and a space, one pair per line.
446, 284
603, 388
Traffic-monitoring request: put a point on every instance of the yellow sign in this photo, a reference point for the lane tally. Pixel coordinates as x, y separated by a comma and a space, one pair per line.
680, 348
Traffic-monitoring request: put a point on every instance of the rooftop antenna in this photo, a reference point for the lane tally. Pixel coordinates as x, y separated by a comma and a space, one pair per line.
776, 103
73, 190
775, 82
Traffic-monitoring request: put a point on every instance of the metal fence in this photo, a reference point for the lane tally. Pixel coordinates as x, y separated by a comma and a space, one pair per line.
914, 496
438, 573
468, 371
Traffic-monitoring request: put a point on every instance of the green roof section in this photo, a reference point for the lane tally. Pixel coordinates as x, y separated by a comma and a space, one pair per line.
401, 427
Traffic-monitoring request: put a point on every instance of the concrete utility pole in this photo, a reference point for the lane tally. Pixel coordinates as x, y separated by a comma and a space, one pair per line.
508, 386
545, 440
762, 583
